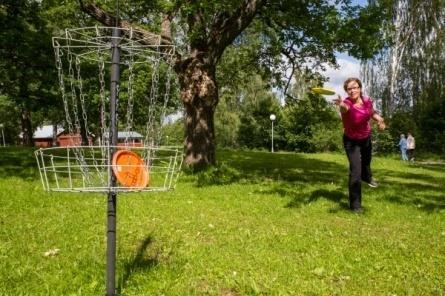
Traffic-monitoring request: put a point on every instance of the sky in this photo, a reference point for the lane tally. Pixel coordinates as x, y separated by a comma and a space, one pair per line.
349, 67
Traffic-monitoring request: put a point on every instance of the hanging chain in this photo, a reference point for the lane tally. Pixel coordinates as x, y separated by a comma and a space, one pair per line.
85, 120
82, 97
73, 93
104, 141
150, 130
102, 95
71, 131
59, 67
166, 99
130, 90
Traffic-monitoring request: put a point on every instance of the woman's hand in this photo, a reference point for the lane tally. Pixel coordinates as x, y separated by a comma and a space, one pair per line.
339, 102
380, 121
381, 125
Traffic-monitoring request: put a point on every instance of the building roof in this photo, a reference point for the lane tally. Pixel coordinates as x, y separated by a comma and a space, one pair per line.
129, 135
46, 131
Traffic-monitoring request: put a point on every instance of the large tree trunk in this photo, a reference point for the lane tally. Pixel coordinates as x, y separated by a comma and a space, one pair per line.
54, 140
196, 69
27, 131
199, 94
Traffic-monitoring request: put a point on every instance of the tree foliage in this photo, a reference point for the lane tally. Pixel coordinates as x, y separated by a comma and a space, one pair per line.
228, 51
294, 32
407, 76
27, 79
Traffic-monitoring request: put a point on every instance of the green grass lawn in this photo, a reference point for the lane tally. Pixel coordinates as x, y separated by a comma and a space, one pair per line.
282, 228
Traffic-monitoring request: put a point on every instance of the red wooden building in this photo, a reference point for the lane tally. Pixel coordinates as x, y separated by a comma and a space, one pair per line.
44, 137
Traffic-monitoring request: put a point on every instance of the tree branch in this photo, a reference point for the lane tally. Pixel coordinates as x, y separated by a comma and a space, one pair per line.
227, 27
109, 20
293, 66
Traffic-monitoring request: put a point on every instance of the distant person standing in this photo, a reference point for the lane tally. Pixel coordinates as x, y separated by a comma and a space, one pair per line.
403, 147
356, 112
410, 146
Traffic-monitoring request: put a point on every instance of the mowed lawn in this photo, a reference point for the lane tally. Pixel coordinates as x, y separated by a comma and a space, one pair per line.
281, 226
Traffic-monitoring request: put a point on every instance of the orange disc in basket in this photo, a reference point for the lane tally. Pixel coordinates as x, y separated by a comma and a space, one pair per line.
129, 169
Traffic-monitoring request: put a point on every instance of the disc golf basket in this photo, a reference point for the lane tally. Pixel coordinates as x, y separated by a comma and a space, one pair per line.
90, 166
87, 59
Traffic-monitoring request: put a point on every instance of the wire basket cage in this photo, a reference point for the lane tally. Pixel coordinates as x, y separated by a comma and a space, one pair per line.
137, 169
97, 159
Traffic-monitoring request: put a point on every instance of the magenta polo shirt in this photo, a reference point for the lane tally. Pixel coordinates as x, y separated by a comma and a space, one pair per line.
356, 120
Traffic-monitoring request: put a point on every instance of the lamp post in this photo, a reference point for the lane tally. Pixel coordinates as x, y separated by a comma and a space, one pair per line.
272, 119
3, 135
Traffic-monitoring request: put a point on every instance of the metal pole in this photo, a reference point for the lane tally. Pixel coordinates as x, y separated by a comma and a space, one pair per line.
272, 137
112, 196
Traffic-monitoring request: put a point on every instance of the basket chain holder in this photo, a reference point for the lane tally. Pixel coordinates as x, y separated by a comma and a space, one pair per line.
119, 162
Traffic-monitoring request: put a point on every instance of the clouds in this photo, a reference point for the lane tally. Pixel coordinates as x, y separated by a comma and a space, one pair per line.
349, 67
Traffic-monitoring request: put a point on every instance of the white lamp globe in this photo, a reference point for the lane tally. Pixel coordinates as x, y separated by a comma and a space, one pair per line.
272, 117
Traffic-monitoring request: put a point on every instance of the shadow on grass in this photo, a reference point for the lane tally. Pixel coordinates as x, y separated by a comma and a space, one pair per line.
427, 203
336, 196
425, 192
257, 167
293, 172
138, 264
18, 162
437, 167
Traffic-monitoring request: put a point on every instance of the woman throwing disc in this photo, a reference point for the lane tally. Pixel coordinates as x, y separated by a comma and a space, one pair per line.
356, 112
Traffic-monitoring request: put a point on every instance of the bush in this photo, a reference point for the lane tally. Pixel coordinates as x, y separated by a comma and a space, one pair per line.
220, 174
431, 136
401, 123
327, 139
383, 142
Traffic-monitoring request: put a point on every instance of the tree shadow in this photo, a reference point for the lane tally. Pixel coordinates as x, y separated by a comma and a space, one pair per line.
18, 162
428, 204
425, 192
335, 196
436, 167
257, 167
138, 264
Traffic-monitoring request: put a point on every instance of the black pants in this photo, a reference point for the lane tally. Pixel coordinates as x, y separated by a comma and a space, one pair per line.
359, 156
410, 154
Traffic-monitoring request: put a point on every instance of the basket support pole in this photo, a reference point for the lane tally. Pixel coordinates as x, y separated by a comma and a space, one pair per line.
112, 196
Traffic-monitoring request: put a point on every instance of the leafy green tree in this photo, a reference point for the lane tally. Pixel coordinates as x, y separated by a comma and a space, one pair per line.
402, 122
227, 123
311, 125
202, 30
9, 120
173, 133
25, 47
432, 128
384, 142
258, 103
407, 76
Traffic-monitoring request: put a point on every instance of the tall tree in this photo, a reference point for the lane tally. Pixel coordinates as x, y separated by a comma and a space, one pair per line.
414, 59
258, 103
25, 48
408, 75
302, 31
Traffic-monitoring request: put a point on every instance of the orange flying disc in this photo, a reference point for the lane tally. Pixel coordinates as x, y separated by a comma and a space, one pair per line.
323, 91
129, 169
